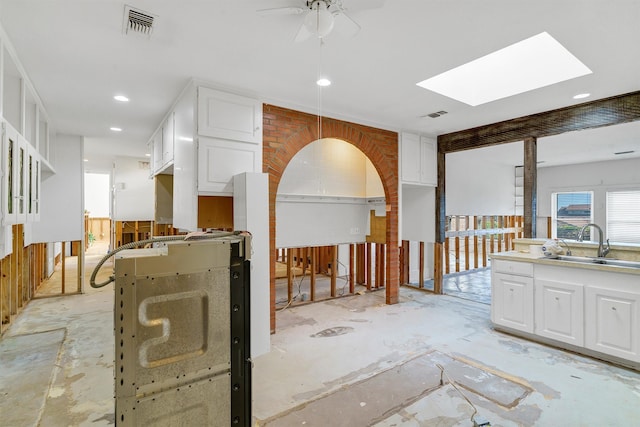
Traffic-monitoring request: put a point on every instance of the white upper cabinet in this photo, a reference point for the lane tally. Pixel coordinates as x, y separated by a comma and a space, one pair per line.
9, 147
418, 163
168, 139
229, 116
21, 180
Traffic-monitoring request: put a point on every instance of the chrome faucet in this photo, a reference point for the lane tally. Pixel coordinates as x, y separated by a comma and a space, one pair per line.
602, 251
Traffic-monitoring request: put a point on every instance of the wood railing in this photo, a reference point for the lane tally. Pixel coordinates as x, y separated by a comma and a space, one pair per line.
469, 242
471, 239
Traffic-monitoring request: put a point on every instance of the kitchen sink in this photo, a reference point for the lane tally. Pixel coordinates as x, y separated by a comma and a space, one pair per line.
594, 260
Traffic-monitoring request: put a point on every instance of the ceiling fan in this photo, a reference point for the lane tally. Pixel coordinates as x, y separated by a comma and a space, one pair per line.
322, 16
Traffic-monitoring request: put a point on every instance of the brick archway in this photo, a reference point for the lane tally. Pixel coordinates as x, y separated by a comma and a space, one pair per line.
285, 132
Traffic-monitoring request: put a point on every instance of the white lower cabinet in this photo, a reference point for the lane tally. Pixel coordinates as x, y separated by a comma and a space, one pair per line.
590, 309
611, 318
512, 297
559, 311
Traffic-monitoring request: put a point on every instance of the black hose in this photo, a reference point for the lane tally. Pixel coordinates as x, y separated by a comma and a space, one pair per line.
147, 241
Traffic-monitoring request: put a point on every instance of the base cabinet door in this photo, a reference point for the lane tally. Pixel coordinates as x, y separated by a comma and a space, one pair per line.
559, 311
612, 322
513, 301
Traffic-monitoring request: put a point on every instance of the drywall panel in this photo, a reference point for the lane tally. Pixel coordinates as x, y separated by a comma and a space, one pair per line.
133, 190
62, 204
418, 213
251, 213
318, 221
328, 167
482, 181
374, 187
97, 194
185, 196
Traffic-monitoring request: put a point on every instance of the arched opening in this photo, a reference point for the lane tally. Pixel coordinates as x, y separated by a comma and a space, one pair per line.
329, 201
287, 131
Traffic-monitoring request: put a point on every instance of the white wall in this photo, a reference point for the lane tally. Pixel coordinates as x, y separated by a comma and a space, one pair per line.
598, 177
62, 205
97, 194
323, 196
482, 181
133, 190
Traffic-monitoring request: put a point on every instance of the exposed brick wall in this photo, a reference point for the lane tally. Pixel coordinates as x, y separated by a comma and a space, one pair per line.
285, 132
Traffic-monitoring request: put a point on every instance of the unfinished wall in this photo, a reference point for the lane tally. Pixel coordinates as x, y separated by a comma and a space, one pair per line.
287, 131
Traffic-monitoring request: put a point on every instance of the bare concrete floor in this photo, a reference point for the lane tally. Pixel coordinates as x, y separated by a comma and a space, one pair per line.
352, 361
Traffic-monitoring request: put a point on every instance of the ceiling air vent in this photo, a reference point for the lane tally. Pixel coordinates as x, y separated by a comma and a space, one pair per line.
137, 21
436, 114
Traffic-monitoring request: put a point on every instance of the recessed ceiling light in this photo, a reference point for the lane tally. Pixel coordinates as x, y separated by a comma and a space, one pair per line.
581, 95
86, 160
533, 63
115, 129
147, 154
121, 98
323, 82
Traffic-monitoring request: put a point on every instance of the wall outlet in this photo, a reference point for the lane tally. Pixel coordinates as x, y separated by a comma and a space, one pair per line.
355, 230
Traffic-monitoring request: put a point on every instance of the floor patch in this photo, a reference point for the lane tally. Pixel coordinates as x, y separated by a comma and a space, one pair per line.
24, 361
375, 399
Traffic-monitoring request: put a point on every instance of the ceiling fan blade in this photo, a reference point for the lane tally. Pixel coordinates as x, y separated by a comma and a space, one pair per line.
357, 5
291, 10
303, 33
345, 25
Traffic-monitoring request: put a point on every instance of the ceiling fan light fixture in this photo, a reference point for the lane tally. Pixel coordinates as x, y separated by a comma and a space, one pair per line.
319, 21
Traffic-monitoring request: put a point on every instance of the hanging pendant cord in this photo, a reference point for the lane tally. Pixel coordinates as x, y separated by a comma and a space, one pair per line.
319, 88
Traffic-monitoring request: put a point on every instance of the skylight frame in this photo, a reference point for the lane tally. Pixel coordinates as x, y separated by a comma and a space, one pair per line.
530, 64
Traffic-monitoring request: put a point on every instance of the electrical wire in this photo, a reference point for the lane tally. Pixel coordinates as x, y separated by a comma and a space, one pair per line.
187, 237
453, 383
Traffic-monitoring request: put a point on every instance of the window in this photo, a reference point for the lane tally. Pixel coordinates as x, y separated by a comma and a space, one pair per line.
571, 211
623, 216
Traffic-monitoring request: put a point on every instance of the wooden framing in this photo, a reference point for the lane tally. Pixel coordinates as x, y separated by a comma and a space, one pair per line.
604, 112
21, 274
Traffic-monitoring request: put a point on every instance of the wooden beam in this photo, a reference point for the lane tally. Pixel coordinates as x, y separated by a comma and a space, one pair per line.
599, 113
312, 272
352, 287
369, 256
421, 265
530, 180
437, 268
289, 275
334, 269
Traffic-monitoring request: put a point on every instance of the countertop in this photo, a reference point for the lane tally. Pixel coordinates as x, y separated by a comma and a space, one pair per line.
526, 256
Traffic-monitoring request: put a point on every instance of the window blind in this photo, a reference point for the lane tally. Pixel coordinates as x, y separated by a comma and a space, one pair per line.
623, 216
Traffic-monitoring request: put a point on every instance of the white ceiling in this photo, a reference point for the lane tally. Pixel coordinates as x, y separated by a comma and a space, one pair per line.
78, 58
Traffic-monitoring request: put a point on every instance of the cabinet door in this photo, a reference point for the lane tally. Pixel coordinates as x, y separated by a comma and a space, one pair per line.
512, 301
428, 161
9, 148
157, 151
220, 160
559, 311
229, 116
21, 180
168, 139
611, 319
410, 158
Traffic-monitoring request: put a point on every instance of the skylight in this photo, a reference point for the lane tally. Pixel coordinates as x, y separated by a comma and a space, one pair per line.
530, 64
